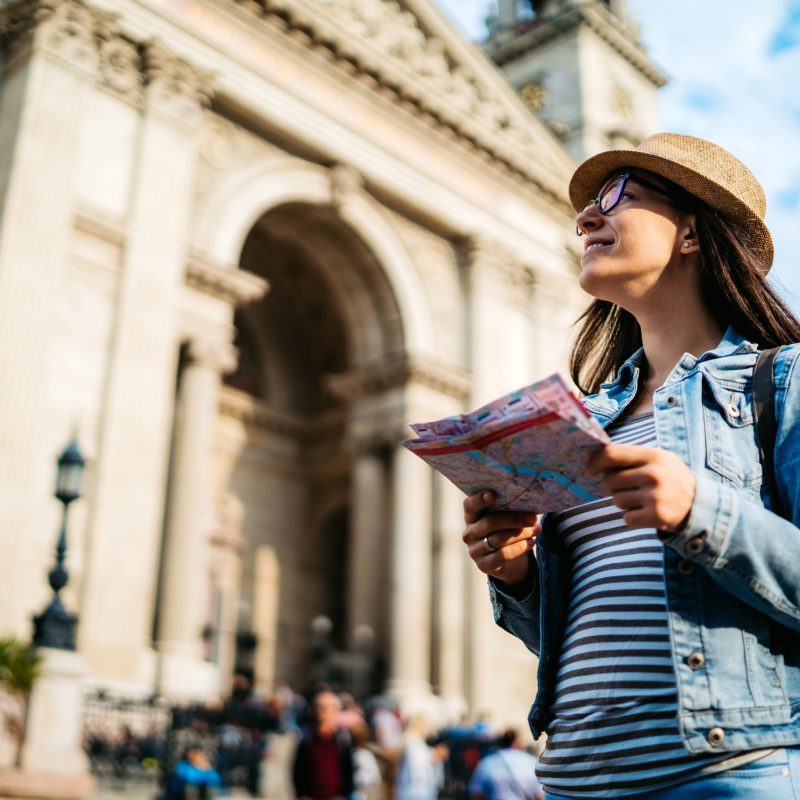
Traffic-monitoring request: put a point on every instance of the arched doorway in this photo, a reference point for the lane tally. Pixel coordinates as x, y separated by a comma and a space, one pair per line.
284, 450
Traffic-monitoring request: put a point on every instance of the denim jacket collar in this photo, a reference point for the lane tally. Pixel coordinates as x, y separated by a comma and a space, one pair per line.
731, 343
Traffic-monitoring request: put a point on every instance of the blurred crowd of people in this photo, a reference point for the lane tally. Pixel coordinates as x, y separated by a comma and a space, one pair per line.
339, 749
372, 753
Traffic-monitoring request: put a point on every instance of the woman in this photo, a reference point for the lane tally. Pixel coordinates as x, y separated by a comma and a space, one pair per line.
667, 615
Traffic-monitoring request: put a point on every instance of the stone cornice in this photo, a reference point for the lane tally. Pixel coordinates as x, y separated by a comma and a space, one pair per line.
231, 284
374, 379
383, 43
100, 224
585, 12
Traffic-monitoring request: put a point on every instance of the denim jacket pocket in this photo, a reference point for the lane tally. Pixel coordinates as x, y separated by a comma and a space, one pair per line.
731, 449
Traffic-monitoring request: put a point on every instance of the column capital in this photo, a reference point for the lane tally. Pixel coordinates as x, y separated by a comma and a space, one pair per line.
63, 28
215, 355
92, 41
119, 63
229, 283
498, 260
173, 86
375, 443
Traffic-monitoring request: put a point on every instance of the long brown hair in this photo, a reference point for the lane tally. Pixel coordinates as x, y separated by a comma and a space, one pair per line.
735, 290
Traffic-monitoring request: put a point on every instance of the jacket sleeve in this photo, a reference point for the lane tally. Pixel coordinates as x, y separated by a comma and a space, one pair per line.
520, 617
300, 768
747, 549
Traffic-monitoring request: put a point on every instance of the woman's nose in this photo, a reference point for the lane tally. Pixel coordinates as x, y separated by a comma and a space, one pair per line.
588, 219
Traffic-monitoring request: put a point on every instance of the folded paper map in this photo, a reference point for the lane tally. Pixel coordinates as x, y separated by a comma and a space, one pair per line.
530, 447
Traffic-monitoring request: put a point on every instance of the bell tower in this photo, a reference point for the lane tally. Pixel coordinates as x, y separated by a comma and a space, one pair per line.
581, 67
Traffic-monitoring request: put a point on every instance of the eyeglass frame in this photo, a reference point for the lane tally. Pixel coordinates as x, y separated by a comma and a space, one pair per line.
626, 176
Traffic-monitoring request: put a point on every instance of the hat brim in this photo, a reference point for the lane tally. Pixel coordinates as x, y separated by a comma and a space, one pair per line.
591, 174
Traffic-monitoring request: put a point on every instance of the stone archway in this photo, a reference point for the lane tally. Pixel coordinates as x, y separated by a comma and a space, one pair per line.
334, 361
285, 446
242, 196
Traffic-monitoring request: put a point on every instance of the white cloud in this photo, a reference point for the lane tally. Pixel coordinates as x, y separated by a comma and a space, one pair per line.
729, 82
723, 52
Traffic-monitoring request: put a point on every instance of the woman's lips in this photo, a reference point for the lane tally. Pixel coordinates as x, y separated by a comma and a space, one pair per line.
594, 246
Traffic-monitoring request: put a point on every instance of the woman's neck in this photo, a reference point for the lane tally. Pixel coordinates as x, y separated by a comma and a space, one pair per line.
667, 336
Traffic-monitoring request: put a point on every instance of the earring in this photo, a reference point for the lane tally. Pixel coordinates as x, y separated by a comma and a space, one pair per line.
687, 244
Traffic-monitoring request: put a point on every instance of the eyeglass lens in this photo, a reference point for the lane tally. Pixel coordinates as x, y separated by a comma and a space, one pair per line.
611, 193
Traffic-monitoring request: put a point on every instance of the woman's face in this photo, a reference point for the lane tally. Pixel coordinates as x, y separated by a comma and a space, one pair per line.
634, 248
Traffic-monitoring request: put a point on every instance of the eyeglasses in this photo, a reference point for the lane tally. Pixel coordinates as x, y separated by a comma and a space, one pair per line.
613, 191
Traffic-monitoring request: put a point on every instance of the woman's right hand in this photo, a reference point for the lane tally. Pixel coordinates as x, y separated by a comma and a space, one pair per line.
499, 541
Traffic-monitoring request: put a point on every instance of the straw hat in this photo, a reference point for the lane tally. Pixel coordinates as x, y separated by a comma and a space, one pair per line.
702, 168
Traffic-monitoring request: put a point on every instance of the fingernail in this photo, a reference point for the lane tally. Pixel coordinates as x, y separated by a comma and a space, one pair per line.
486, 497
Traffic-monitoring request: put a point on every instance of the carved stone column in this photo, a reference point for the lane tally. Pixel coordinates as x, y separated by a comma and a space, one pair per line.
185, 568
47, 68
366, 568
138, 406
394, 513
410, 584
450, 568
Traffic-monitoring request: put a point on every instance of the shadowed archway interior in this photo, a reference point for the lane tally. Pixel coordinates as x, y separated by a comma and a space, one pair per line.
329, 310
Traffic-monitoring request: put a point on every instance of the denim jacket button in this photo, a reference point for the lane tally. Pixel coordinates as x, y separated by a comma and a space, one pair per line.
716, 736
685, 567
696, 545
695, 660
672, 401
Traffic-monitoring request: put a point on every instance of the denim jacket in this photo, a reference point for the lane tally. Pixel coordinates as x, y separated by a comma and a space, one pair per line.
732, 574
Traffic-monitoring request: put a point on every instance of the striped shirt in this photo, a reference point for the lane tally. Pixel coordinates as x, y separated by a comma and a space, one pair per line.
613, 728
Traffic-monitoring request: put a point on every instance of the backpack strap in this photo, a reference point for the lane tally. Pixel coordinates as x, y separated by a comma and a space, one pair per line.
766, 424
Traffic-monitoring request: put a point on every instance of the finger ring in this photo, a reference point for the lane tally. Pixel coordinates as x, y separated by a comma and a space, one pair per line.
488, 544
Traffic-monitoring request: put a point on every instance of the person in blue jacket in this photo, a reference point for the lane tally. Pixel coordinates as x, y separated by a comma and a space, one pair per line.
194, 778
666, 616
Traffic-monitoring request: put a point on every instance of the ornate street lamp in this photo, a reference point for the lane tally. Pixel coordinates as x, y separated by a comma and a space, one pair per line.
55, 626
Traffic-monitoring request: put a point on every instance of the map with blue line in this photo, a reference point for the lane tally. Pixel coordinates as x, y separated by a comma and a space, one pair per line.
530, 447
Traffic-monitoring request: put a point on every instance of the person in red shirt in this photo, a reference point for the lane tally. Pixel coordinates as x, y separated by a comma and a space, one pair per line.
323, 764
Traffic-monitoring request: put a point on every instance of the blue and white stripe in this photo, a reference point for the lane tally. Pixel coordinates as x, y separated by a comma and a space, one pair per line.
613, 729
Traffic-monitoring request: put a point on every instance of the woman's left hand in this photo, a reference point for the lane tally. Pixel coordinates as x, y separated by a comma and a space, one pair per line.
653, 487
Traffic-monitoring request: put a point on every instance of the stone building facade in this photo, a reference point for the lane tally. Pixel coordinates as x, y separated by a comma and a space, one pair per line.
242, 244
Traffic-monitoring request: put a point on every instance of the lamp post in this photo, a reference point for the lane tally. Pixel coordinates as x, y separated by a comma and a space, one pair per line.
55, 626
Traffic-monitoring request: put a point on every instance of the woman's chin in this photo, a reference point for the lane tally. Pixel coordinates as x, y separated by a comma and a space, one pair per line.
592, 283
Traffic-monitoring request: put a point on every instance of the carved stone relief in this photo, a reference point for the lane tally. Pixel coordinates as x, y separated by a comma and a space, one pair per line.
386, 44
225, 146
346, 182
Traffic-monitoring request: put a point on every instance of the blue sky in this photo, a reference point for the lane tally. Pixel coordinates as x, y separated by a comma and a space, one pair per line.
734, 68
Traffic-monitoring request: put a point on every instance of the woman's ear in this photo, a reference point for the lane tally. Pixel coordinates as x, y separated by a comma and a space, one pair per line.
689, 243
